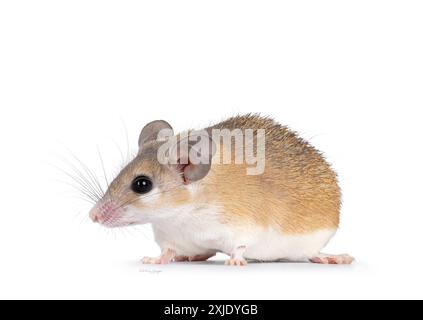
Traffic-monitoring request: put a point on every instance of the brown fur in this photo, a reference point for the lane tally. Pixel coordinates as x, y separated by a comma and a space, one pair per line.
297, 193
298, 190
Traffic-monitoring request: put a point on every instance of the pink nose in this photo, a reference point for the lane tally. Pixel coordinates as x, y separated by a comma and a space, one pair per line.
105, 211
94, 214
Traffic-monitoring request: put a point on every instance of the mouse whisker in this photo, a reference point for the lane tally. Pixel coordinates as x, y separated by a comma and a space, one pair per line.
127, 139
102, 166
87, 197
84, 186
122, 158
83, 178
90, 174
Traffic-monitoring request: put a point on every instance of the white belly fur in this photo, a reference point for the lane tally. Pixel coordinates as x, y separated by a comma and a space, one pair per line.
197, 230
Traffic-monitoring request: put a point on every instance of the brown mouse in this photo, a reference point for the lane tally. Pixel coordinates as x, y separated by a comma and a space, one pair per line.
287, 209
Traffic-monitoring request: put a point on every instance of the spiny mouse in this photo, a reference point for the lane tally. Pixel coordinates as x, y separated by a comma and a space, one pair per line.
204, 197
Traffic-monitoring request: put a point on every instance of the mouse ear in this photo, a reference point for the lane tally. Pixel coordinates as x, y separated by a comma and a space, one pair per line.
151, 131
193, 156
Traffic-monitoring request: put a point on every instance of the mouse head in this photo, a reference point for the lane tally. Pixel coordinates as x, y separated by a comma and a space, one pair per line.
158, 178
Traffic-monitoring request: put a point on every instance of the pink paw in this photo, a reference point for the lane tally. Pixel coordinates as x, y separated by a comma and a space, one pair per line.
332, 259
154, 260
166, 257
236, 262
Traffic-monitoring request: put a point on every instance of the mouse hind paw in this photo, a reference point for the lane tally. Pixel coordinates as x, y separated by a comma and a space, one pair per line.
332, 259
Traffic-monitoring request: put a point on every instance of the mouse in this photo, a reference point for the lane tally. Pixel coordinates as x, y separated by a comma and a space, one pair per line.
247, 187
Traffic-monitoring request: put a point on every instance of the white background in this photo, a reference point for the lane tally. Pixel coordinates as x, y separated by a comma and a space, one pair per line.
348, 75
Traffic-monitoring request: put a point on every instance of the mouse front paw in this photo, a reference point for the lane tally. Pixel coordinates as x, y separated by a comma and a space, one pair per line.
153, 260
237, 258
236, 262
166, 257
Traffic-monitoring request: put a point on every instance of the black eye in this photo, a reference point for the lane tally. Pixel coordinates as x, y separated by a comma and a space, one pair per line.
142, 184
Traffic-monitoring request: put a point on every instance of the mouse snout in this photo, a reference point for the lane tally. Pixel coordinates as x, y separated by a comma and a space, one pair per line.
106, 212
94, 214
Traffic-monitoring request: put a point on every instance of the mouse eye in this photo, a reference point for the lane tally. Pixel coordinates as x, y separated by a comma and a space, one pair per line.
142, 184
